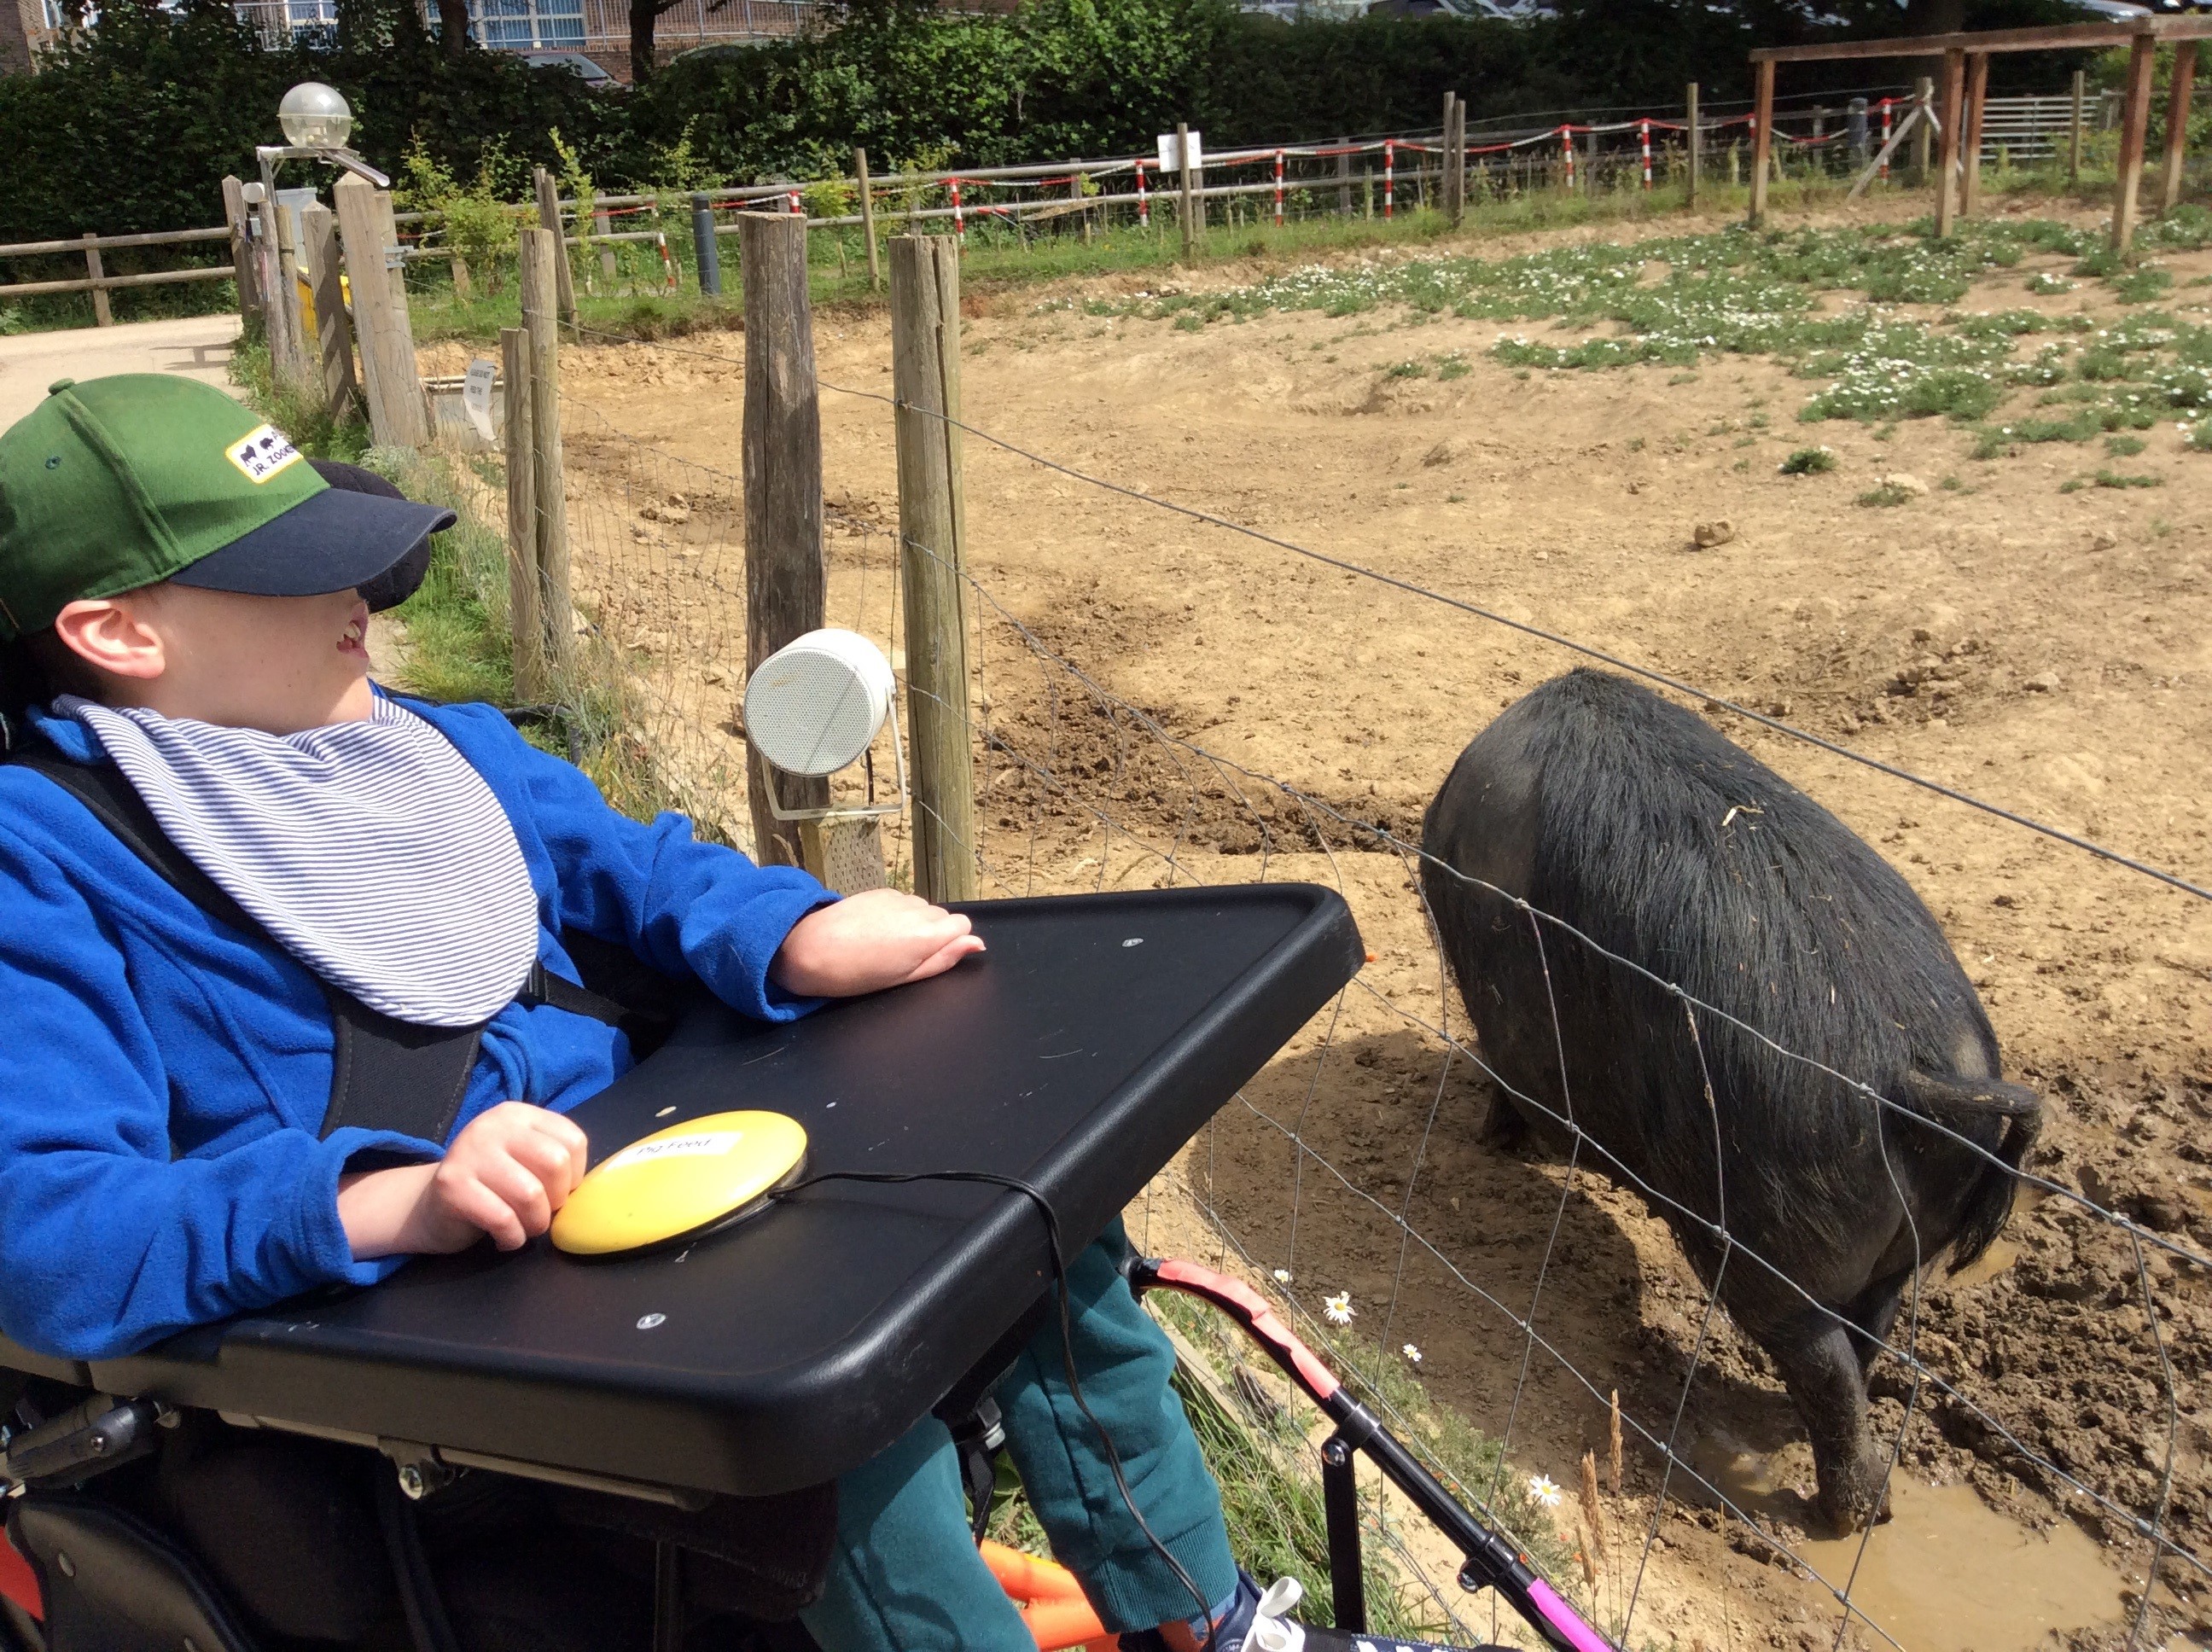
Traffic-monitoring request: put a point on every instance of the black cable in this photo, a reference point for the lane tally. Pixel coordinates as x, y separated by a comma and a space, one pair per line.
1015, 1184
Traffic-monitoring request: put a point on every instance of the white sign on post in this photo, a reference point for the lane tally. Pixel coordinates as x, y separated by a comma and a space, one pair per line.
476, 394
1171, 161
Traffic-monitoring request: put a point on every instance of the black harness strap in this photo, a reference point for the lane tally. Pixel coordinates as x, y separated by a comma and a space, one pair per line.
385, 1074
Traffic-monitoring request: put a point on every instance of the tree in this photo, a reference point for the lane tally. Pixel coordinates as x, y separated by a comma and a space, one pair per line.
453, 28
644, 18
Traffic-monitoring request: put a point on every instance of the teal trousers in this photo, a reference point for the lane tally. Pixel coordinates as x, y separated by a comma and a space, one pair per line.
905, 1575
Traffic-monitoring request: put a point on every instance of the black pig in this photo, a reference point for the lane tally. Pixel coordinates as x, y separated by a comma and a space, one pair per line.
1632, 821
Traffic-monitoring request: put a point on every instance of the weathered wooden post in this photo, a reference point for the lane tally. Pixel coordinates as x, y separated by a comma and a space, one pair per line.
101, 314
526, 622
1343, 176
603, 225
541, 297
1762, 138
2135, 121
786, 584
1455, 159
279, 295
398, 414
1690, 138
1977, 89
333, 330
241, 249
1190, 201
1946, 158
548, 217
868, 218
2074, 130
2176, 122
932, 522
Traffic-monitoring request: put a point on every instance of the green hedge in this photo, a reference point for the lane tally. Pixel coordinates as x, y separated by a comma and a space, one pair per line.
132, 127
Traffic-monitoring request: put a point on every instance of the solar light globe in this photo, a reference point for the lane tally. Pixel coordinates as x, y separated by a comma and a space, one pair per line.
315, 117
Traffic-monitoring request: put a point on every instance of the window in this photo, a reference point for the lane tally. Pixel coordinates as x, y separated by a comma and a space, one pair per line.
312, 13
528, 25
50, 13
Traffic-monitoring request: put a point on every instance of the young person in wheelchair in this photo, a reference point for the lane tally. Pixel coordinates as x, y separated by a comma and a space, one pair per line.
233, 870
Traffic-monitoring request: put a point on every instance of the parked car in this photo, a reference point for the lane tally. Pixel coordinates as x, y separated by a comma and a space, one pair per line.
592, 74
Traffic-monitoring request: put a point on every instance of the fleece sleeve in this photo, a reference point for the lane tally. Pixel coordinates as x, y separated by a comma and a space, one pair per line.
105, 1243
684, 907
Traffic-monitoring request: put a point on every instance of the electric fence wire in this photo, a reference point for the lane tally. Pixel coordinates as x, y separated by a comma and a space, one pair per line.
2154, 1529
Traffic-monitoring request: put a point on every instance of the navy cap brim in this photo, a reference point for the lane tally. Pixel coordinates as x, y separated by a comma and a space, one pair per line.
337, 540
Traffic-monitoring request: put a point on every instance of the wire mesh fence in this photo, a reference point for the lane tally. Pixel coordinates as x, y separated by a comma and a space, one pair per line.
1551, 1328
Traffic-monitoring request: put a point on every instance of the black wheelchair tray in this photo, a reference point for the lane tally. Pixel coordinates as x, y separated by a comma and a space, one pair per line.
1096, 1035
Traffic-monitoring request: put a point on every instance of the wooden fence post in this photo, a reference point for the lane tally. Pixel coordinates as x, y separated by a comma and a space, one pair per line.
280, 306
1455, 158
1948, 153
526, 624
932, 523
785, 584
333, 330
1190, 194
2074, 131
1343, 176
603, 225
1691, 137
241, 248
548, 217
868, 218
398, 413
2135, 121
542, 255
101, 314
1762, 138
1978, 88
2177, 124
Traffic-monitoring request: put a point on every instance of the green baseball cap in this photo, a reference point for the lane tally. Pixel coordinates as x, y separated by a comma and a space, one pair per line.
119, 482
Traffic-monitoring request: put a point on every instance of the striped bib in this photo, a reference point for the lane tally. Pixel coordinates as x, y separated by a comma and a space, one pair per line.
371, 851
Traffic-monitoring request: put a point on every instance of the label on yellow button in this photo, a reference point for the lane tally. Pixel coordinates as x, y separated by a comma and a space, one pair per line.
681, 1182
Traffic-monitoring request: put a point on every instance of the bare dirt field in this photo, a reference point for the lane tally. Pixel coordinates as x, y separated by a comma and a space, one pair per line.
2044, 648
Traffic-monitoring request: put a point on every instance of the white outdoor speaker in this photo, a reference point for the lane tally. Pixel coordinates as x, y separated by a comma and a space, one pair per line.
815, 705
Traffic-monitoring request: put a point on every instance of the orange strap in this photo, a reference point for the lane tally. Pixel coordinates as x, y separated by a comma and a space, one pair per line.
1050, 1599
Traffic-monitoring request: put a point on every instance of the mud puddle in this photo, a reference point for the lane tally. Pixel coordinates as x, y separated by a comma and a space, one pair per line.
1946, 1572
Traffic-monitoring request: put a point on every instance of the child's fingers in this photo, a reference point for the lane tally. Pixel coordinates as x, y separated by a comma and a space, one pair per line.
472, 1202
555, 1158
959, 947
520, 1190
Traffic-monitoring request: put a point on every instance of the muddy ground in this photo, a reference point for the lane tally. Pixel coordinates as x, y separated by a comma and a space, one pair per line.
2045, 650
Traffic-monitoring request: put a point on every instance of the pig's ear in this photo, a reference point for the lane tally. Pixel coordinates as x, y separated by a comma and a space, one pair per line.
1963, 1102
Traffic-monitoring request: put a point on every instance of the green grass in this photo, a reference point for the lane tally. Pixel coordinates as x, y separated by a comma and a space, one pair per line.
1809, 461
1261, 1452
1888, 493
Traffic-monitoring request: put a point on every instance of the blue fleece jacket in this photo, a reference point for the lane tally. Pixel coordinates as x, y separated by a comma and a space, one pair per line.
163, 1079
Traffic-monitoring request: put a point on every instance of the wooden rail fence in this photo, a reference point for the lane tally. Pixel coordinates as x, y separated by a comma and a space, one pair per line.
95, 279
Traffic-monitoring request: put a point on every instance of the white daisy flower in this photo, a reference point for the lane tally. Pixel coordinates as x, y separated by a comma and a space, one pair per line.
1412, 1353
1282, 1276
1545, 1491
1338, 1309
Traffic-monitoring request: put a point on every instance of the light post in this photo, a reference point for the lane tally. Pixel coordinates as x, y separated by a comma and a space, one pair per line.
316, 121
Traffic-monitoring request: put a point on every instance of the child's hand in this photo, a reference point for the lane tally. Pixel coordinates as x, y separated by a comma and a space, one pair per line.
505, 1175
868, 942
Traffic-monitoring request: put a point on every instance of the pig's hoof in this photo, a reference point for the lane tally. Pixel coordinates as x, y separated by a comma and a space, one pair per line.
1851, 1508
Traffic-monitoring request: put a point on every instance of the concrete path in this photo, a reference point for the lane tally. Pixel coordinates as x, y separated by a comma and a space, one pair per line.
197, 346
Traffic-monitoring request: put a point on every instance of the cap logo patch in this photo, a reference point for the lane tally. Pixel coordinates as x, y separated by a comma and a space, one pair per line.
262, 453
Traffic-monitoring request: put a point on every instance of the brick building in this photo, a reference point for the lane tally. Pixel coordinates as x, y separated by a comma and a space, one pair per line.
25, 27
